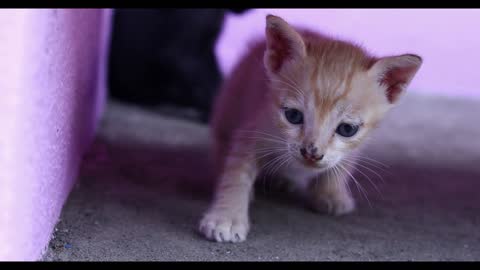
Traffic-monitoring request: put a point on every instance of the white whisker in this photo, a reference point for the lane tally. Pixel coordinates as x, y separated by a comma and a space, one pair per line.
357, 184
262, 133
352, 163
368, 178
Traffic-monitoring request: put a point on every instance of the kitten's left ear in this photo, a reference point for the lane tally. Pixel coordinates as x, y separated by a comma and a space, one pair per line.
284, 44
396, 73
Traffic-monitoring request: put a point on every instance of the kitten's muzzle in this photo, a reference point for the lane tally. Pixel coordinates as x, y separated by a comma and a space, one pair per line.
310, 154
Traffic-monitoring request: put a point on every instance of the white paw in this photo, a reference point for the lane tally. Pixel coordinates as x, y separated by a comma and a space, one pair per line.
335, 206
222, 227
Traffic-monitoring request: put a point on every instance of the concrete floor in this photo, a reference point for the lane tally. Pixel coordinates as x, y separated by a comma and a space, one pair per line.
145, 183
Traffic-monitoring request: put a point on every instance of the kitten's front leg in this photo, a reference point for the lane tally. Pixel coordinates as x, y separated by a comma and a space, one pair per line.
328, 193
227, 219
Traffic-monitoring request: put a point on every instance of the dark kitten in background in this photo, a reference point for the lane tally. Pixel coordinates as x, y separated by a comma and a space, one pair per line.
166, 57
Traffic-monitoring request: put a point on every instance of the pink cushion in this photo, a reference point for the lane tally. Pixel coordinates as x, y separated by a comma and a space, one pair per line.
51, 95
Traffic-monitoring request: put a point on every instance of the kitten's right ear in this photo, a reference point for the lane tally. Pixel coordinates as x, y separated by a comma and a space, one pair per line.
284, 44
396, 73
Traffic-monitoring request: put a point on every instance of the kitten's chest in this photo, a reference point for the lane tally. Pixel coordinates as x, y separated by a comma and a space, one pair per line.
296, 175
277, 170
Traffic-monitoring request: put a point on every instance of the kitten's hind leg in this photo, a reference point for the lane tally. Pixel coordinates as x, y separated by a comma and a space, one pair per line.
328, 193
227, 219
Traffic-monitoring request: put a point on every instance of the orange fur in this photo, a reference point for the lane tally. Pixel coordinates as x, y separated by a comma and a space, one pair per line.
330, 82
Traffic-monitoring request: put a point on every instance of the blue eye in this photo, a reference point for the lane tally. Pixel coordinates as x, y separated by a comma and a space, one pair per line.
294, 116
347, 130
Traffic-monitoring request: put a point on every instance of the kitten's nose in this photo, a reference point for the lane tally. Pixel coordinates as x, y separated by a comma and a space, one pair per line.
310, 153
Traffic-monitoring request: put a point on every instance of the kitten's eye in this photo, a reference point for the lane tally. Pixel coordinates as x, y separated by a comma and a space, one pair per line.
346, 130
294, 116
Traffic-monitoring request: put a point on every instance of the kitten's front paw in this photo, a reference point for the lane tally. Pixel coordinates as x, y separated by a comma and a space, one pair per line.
223, 227
333, 205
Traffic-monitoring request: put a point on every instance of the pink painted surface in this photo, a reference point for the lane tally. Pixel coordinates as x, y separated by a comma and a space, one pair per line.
51, 95
447, 39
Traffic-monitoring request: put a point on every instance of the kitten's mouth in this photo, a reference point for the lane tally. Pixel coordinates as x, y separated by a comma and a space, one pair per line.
312, 164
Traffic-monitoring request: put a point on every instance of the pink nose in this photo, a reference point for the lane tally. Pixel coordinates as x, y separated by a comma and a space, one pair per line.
311, 154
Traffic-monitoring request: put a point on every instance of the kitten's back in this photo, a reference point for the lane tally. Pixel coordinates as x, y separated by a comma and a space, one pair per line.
242, 93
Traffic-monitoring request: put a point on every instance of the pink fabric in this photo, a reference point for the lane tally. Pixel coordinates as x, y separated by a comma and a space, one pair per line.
51, 95
447, 39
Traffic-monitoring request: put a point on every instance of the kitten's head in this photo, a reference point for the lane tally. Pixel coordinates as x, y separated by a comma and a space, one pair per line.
329, 94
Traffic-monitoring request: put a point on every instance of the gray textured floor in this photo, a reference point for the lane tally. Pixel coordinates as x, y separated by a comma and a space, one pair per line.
146, 181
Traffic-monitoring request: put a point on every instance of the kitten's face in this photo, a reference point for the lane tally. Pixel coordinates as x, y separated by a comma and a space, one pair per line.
322, 125
328, 95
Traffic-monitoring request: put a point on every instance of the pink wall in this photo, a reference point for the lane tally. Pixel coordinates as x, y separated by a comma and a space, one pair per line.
52, 92
447, 39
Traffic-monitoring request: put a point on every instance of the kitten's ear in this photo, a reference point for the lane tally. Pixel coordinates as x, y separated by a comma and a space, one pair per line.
283, 44
396, 73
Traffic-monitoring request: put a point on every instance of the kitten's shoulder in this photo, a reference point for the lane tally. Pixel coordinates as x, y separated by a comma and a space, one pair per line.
256, 47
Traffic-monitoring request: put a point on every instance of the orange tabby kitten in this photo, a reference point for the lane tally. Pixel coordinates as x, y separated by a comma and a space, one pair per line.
298, 114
